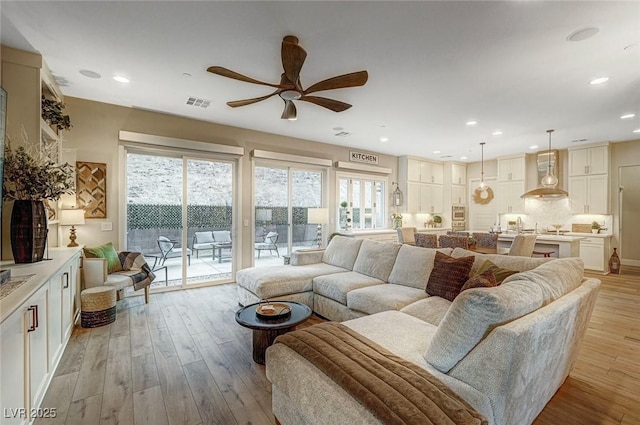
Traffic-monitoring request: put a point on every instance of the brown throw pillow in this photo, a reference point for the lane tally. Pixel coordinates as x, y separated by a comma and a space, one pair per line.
499, 273
448, 275
485, 279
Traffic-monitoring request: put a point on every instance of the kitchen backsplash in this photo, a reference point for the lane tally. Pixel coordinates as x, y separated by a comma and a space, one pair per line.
546, 213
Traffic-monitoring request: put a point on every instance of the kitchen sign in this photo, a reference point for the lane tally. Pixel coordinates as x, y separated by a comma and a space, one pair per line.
367, 158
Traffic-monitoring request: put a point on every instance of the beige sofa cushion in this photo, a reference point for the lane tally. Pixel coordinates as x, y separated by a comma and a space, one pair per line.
504, 261
273, 281
342, 252
431, 309
473, 314
376, 259
374, 299
413, 266
336, 286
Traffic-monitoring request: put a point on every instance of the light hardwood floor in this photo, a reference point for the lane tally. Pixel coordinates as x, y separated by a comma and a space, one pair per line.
182, 360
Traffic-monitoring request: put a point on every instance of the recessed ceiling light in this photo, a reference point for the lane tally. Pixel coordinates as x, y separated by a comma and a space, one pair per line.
497, 133
463, 157
637, 130
532, 147
582, 34
472, 123
338, 128
120, 79
384, 139
89, 74
627, 116
599, 80
186, 74
631, 46
436, 151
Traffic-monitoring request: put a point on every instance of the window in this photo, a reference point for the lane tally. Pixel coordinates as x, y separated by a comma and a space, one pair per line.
364, 197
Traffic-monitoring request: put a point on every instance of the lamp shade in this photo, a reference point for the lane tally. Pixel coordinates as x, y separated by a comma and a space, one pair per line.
71, 217
318, 215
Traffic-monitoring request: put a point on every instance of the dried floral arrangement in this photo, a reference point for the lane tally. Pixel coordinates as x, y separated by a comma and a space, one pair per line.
31, 174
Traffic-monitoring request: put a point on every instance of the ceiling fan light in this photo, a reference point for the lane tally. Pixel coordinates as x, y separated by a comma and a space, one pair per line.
291, 95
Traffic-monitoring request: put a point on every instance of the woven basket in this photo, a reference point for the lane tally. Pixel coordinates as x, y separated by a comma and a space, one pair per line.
98, 306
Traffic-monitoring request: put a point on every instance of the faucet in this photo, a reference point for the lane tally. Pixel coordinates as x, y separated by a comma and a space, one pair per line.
518, 225
536, 229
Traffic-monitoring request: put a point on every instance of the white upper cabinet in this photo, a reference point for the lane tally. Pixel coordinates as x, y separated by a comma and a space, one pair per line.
511, 169
458, 174
589, 194
508, 196
589, 160
424, 171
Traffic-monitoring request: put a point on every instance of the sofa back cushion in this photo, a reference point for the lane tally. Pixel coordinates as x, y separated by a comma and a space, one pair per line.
555, 278
505, 261
342, 252
473, 314
376, 259
414, 265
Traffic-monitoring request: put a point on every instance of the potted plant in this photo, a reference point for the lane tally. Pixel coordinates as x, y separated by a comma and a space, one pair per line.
397, 220
52, 114
30, 177
472, 242
595, 227
437, 220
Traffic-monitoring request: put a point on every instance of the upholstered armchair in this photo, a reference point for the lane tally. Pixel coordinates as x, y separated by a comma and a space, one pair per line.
426, 240
446, 241
118, 269
407, 235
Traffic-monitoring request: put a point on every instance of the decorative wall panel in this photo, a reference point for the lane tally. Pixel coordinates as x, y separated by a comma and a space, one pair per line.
91, 186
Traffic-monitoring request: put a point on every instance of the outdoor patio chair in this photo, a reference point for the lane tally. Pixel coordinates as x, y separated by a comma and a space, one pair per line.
168, 249
269, 243
202, 241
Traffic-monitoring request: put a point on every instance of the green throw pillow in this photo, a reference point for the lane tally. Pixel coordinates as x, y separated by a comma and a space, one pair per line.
108, 252
500, 273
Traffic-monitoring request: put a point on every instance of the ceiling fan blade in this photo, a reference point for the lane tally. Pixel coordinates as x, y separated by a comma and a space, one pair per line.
289, 112
334, 105
293, 57
245, 102
218, 70
353, 79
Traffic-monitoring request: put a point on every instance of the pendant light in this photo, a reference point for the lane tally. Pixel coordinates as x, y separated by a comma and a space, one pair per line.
549, 180
482, 186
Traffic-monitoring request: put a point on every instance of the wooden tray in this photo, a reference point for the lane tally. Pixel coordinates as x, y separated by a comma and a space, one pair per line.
278, 310
581, 228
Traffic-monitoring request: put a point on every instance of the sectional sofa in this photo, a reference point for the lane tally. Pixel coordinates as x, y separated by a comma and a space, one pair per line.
504, 350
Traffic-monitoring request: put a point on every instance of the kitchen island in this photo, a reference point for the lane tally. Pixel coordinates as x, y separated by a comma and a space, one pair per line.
563, 245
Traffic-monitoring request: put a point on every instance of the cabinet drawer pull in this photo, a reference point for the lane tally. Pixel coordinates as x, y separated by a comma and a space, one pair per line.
34, 316
66, 283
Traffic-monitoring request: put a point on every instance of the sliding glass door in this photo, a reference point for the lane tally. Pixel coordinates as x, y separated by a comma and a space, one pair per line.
282, 195
180, 216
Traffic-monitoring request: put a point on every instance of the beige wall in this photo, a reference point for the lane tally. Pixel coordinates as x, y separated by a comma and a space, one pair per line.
95, 137
622, 154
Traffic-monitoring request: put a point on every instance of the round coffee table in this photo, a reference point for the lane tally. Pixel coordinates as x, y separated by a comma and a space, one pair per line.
266, 330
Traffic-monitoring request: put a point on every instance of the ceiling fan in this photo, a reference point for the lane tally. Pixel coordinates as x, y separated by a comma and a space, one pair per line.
290, 88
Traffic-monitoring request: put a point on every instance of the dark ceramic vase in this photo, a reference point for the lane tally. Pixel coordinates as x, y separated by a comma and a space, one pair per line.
28, 231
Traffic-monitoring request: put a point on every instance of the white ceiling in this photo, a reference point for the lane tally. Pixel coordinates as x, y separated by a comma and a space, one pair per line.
432, 66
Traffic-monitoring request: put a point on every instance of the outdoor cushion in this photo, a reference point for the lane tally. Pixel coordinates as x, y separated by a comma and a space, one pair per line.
342, 252
376, 259
203, 237
374, 299
336, 286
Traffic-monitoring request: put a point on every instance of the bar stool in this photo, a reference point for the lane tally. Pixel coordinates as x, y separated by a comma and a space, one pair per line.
545, 254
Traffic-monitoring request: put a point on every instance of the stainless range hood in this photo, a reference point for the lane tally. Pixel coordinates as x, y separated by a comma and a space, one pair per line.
548, 168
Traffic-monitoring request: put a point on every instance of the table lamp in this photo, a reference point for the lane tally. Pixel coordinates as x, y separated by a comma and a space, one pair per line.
72, 218
318, 216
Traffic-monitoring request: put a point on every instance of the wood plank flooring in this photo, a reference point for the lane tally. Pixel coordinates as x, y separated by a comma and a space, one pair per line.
182, 360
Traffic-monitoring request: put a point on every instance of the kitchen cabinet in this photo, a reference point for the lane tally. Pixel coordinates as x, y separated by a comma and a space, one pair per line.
508, 197
424, 198
594, 252
589, 194
424, 171
458, 174
511, 169
589, 160
36, 324
458, 195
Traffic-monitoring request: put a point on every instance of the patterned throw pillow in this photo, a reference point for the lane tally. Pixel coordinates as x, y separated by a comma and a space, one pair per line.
485, 279
448, 275
108, 252
499, 273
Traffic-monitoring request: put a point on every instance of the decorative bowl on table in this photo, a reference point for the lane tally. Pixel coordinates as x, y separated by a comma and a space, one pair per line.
271, 310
